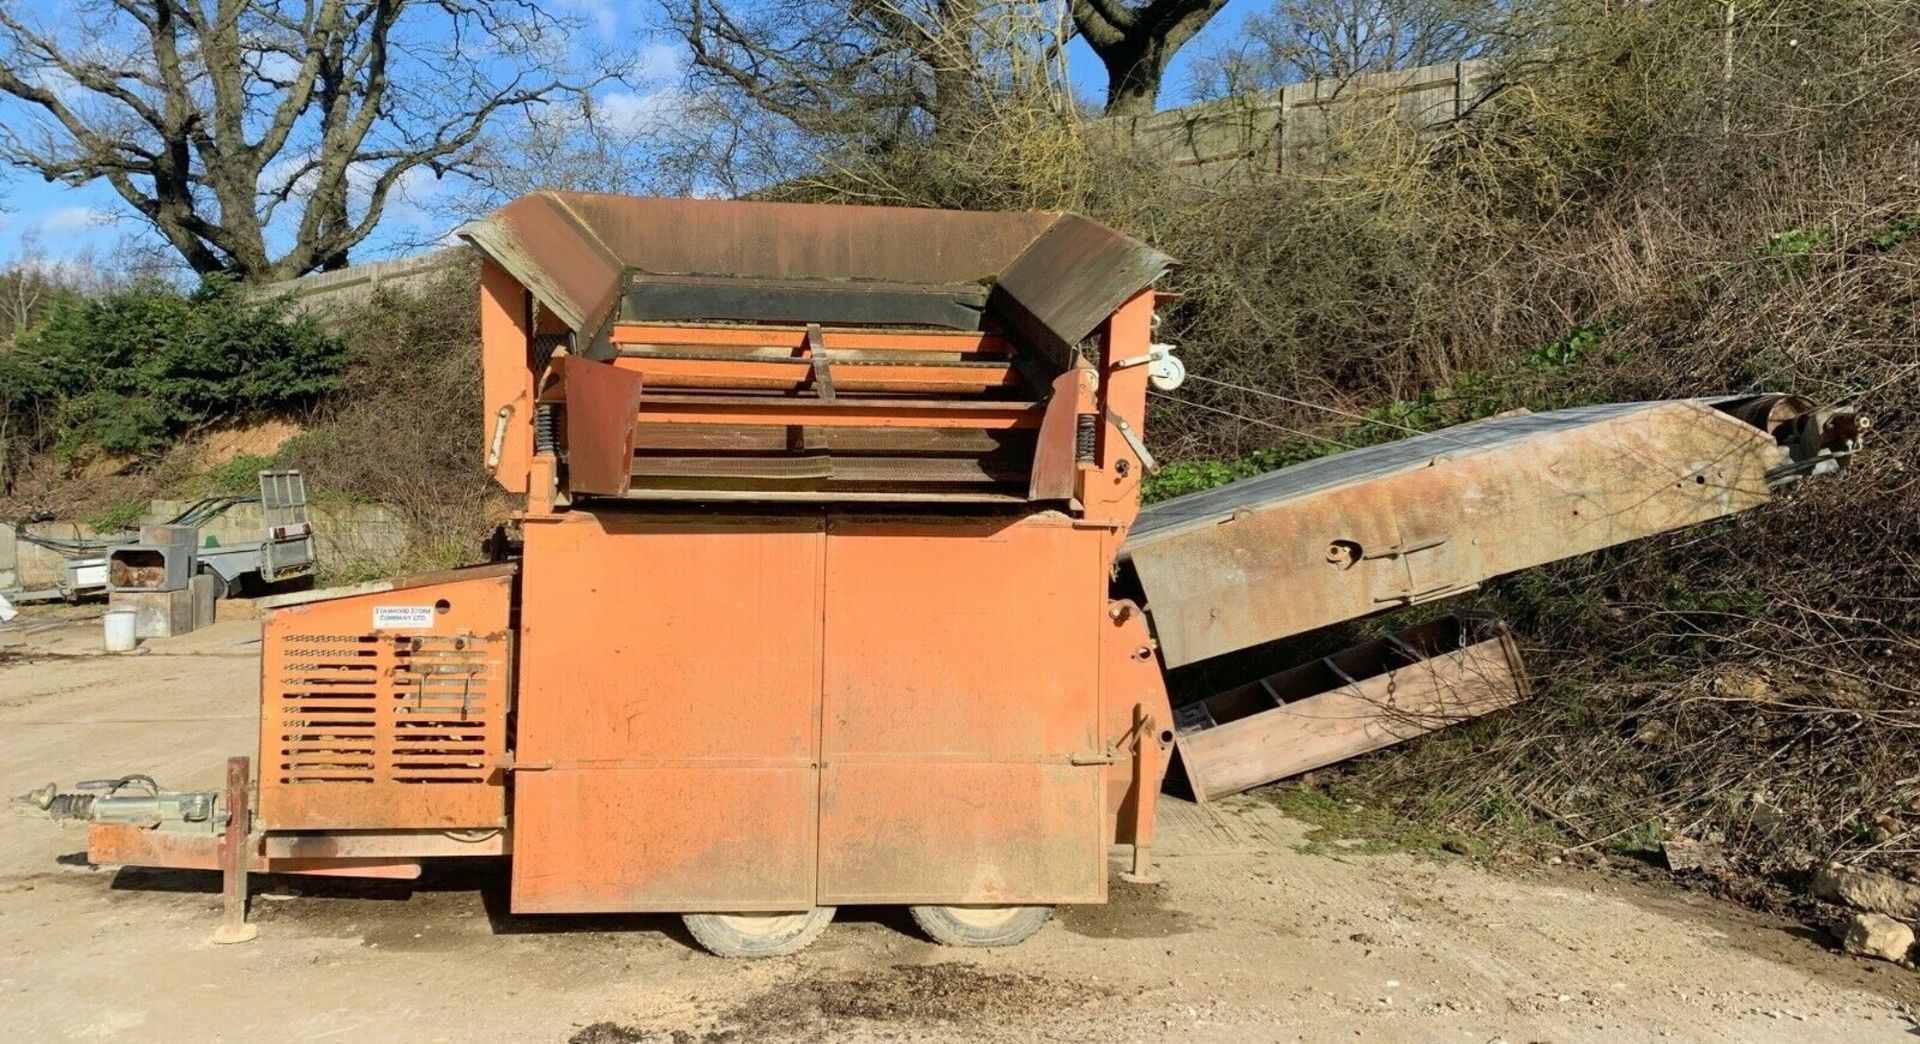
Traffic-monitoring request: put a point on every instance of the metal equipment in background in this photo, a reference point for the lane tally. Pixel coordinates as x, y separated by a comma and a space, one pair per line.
164, 557
832, 584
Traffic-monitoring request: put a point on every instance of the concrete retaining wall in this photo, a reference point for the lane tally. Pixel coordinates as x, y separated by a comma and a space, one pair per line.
326, 293
31, 566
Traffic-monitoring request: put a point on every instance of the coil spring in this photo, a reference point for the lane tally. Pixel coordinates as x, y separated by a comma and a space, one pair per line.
1085, 433
543, 429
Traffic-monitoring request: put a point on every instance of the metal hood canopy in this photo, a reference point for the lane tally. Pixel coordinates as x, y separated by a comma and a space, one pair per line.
592, 259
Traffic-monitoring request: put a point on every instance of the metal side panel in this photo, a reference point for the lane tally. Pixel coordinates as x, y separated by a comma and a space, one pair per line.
668, 713
602, 400
284, 558
1361, 699
388, 709
961, 755
1417, 520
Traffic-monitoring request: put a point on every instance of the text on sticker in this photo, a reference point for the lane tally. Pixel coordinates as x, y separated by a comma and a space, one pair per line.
402, 616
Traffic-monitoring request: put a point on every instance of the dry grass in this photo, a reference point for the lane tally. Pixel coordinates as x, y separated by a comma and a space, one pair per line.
1754, 683
404, 430
1624, 221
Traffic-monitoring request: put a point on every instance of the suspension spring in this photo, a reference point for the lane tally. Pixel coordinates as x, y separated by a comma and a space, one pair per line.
543, 429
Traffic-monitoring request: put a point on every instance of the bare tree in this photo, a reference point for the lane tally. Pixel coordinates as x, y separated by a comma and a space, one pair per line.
28, 283
1136, 41
1301, 40
858, 99
661, 139
875, 72
1338, 38
266, 138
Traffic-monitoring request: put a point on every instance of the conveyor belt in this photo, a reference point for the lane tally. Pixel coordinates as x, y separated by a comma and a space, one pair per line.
1207, 507
1431, 516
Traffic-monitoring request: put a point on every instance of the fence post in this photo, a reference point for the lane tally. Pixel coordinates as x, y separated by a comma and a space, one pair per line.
235, 855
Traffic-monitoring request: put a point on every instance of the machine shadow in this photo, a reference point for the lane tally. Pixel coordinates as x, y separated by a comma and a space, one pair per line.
489, 881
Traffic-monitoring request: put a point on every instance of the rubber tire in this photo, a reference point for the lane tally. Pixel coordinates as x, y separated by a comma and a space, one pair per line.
736, 935
977, 925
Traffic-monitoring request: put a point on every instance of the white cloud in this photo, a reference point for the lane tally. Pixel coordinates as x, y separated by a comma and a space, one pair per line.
68, 220
660, 64
407, 203
601, 13
642, 112
276, 65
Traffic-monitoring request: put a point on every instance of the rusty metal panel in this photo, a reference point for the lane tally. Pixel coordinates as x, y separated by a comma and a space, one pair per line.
776, 241
578, 253
1072, 278
540, 242
961, 754
506, 395
387, 844
955, 830
1424, 518
1132, 686
664, 838
956, 306
1441, 673
129, 844
602, 402
667, 728
1055, 472
388, 710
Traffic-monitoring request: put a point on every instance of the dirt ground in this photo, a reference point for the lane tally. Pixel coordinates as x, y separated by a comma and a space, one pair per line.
1248, 938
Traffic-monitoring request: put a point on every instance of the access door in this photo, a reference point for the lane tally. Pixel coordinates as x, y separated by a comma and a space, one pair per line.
668, 714
960, 756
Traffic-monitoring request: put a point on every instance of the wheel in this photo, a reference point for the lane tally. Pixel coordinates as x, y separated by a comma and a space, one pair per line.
980, 925
757, 934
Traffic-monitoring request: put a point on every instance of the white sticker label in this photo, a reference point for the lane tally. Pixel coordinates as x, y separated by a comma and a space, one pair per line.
391, 616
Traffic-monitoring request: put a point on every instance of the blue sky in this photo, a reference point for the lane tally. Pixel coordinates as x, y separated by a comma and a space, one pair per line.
56, 222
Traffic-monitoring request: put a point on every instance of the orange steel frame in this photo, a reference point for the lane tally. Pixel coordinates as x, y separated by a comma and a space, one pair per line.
760, 709
755, 707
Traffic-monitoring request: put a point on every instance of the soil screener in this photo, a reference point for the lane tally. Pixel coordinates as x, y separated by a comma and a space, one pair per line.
832, 584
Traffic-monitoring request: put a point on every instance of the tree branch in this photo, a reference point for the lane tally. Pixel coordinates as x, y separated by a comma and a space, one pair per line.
322, 93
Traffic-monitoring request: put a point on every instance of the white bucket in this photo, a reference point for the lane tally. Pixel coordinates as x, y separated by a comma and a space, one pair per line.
118, 624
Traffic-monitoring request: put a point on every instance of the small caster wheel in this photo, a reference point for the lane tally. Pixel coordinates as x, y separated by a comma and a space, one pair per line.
757, 934
980, 925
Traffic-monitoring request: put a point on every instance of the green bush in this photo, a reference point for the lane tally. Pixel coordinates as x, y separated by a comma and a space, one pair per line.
131, 370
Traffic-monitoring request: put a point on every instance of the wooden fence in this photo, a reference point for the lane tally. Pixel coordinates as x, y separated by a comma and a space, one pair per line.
1264, 132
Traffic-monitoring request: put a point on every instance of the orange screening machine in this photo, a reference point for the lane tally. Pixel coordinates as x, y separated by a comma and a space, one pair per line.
828, 587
